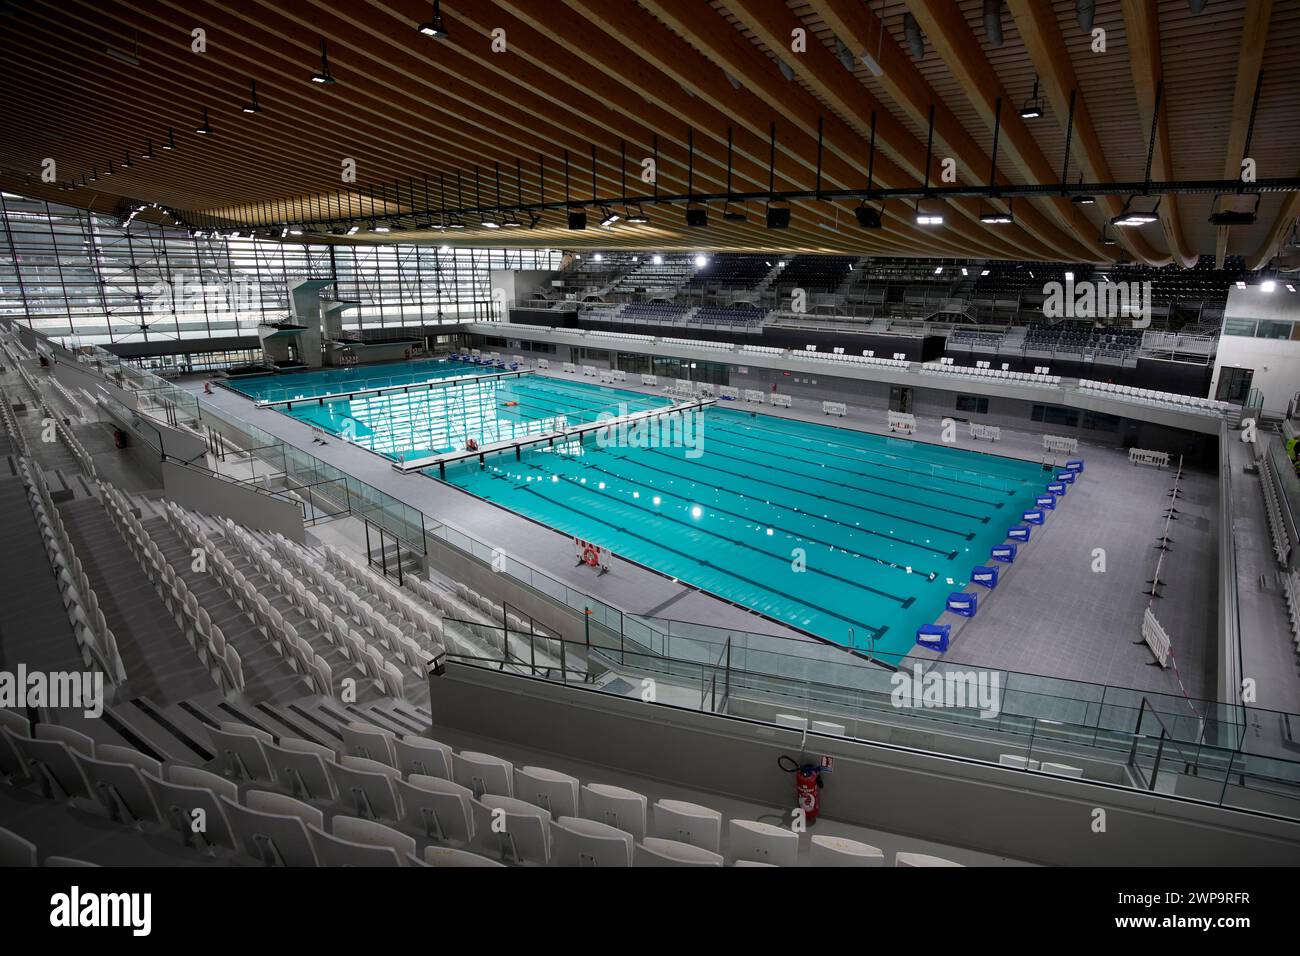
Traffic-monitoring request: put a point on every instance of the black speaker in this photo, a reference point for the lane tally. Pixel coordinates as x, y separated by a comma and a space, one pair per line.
697, 216
868, 218
778, 217
577, 219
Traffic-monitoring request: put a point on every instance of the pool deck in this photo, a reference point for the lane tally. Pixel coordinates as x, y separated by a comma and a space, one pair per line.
1052, 615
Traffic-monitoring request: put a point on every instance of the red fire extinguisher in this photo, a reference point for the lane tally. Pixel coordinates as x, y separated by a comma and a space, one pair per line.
807, 781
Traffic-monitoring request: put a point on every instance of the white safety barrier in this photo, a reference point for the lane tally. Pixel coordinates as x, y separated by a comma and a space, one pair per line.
589, 371
726, 391
753, 395
592, 555
1156, 637
606, 378
704, 388
782, 400
649, 379
543, 363
570, 367
835, 408
1059, 443
991, 432
620, 375
902, 422
1143, 456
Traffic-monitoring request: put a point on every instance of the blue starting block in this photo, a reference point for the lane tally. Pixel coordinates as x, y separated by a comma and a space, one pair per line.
1006, 553
959, 602
1057, 488
933, 636
984, 575
1033, 516
1045, 501
1075, 465
1018, 532
1067, 477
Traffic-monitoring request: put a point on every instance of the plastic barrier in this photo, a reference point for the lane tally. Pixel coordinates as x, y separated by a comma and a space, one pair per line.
543, 363
570, 367
1045, 501
753, 395
1066, 476
589, 371
902, 422
1034, 516
1018, 532
934, 636
991, 432
781, 400
959, 602
1057, 488
835, 408
1058, 443
1075, 465
984, 575
620, 375
606, 378
1006, 553
1144, 456
649, 379
728, 393
1156, 637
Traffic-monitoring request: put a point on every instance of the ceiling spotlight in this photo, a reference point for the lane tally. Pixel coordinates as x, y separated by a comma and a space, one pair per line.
700, 261
869, 217
1034, 106
997, 217
533, 220
108, 170
510, 221
396, 225
434, 27
127, 164
657, 259
324, 76
1083, 200
577, 219
454, 223
487, 222
353, 229
205, 129
1290, 287
171, 140
732, 215
1268, 285
637, 218
608, 216
927, 216
377, 227
1235, 209
778, 217
253, 106
1136, 217
697, 217
148, 153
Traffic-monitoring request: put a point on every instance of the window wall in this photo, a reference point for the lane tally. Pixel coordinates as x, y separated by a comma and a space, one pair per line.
81, 278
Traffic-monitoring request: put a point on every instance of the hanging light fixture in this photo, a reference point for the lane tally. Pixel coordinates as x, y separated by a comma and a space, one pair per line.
324, 76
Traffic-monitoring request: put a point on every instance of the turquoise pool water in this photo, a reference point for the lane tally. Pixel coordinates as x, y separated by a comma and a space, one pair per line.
853, 537
833, 531
274, 388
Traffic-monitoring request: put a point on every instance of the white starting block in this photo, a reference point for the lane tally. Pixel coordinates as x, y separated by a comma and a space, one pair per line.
570, 367
543, 363
781, 400
991, 432
902, 422
1143, 456
589, 371
649, 379
726, 391
753, 395
835, 408
1058, 443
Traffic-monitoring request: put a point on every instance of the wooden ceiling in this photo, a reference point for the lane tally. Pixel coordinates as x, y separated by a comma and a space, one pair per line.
609, 72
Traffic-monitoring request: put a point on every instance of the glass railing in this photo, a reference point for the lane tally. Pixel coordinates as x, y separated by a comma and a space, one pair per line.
1117, 737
